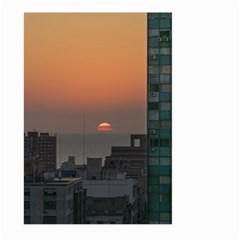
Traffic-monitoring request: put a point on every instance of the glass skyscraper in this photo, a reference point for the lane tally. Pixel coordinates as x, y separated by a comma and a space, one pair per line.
159, 118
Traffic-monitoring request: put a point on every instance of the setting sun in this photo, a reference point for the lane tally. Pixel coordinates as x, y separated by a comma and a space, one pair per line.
103, 127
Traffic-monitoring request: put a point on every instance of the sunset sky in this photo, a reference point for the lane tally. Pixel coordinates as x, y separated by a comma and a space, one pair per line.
92, 62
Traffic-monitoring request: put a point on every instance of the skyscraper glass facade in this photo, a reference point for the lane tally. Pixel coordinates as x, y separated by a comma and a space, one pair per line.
159, 118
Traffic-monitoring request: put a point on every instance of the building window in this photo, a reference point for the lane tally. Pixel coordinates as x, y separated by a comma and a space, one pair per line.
153, 33
50, 205
154, 124
165, 35
154, 215
154, 70
153, 152
165, 179
165, 97
153, 180
165, 23
153, 16
165, 106
153, 58
152, 131
165, 124
165, 88
165, 115
153, 51
165, 216
153, 97
165, 171
153, 79
153, 41
27, 193
26, 205
152, 105
165, 51
154, 142
165, 197
165, 161
165, 152
136, 142
165, 78
153, 23
50, 192
165, 59
26, 219
154, 171
153, 161
165, 207
153, 115
165, 188
165, 15
165, 133
153, 87
164, 69
49, 219
164, 142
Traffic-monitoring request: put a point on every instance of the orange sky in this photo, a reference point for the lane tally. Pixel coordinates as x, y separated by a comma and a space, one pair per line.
85, 61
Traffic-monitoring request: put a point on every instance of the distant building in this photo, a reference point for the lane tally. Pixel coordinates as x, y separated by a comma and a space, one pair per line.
133, 156
70, 164
132, 162
94, 168
109, 173
68, 168
39, 154
91, 171
108, 210
55, 201
82, 171
117, 188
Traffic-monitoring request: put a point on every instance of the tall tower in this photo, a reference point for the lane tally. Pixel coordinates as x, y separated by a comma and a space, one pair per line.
159, 118
39, 154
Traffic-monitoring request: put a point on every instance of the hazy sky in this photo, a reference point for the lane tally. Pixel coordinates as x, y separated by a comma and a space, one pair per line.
92, 62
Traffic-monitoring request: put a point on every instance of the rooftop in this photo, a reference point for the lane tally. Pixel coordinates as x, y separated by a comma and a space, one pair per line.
55, 182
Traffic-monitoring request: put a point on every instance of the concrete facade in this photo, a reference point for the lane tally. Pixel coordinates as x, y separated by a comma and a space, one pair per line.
61, 201
113, 210
116, 188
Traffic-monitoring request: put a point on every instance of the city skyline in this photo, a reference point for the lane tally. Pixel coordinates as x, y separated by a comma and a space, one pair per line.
93, 63
85, 75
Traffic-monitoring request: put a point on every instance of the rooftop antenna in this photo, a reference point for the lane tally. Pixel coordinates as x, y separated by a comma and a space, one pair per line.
83, 137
